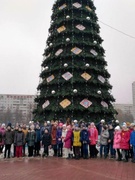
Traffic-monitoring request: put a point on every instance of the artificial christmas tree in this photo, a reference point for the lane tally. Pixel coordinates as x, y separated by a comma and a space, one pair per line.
75, 81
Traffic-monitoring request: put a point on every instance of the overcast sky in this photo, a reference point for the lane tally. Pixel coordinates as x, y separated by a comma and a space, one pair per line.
24, 28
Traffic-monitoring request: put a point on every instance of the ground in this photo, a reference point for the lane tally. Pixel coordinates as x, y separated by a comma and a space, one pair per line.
58, 168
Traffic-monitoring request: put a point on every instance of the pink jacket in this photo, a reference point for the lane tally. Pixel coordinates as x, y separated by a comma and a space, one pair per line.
68, 139
117, 140
93, 137
125, 137
2, 132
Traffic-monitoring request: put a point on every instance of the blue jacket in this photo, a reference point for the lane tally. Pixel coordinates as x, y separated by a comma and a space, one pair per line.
84, 136
38, 135
132, 138
59, 135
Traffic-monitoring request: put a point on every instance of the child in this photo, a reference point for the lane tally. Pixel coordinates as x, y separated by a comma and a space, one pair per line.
30, 139
124, 144
8, 138
68, 142
85, 141
103, 141
53, 137
19, 141
2, 133
132, 142
59, 140
110, 142
46, 142
64, 132
76, 142
117, 140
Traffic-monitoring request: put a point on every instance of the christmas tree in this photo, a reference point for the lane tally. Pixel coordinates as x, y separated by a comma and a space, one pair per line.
74, 79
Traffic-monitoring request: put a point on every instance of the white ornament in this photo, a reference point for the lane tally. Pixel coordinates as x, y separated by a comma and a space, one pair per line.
53, 92
52, 21
67, 39
99, 92
88, 18
65, 65
87, 65
50, 44
95, 42
67, 17
75, 90
46, 68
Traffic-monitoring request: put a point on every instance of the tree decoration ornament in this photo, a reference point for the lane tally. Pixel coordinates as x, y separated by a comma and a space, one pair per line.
61, 29
86, 103
58, 52
76, 50
65, 103
53, 91
62, 7
93, 52
67, 76
50, 44
52, 21
95, 42
46, 68
75, 90
67, 39
87, 65
86, 76
50, 78
88, 8
65, 65
104, 104
80, 27
101, 79
88, 18
99, 92
46, 103
67, 17
77, 5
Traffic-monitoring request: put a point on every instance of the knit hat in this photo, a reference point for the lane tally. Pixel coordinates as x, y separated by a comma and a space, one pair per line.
117, 128
117, 121
3, 125
61, 124
75, 121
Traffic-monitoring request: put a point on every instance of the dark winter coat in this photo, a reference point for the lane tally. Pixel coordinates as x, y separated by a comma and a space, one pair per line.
84, 136
19, 139
59, 136
38, 135
46, 139
9, 137
2, 134
31, 138
111, 135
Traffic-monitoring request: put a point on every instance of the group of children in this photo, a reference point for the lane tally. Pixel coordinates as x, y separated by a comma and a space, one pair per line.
70, 140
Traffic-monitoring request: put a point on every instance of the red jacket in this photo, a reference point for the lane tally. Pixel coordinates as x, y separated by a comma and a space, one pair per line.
53, 135
68, 139
125, 137
93, 136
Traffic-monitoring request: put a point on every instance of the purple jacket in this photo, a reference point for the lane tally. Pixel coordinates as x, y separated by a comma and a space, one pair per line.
68, 139
59, 136
2, 133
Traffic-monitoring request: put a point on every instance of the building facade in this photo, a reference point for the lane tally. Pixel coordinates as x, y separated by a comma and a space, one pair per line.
17, 106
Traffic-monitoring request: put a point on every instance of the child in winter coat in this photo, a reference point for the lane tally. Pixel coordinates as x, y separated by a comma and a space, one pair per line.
116, 142
124, 144
104, 141
132, 142
93, 138
53, 137
68, 142
2, 133
59, 140
46, 142
76, 141
110, 142
8, 138
37, 141
64, 132
30, 139
85, 141
19, 141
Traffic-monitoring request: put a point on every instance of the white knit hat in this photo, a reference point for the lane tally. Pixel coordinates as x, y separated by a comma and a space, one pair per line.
117, 128
117, 121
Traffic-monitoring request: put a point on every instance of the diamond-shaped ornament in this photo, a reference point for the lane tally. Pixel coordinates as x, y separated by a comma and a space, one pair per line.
101, 78
65, 103
61, 29
104, 104
48, 55
86, 76
77, 5
58, 52
50, 78
93, 52
80, 27
86, 103
45, 104
67, 76
62, 7
76, 50
88, 8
